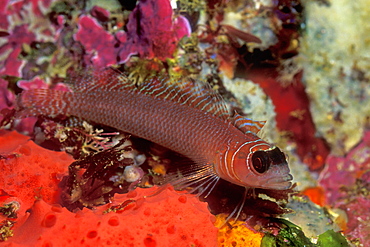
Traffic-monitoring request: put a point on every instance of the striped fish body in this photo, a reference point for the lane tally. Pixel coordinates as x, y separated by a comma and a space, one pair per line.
215, 143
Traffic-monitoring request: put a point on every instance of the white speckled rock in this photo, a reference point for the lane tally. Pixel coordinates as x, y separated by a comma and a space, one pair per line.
336, 60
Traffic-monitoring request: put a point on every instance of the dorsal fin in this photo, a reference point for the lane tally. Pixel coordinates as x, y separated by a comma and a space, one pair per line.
187, 91
106, 79
247, 125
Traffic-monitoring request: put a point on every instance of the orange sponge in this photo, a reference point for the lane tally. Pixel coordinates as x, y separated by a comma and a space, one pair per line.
143, 217
169, 218
29, 172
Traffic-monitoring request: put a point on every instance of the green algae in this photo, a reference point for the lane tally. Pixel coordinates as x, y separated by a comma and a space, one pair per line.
292, 235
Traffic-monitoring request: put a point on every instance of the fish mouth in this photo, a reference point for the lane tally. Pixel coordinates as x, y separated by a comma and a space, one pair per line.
279, 183
280, 186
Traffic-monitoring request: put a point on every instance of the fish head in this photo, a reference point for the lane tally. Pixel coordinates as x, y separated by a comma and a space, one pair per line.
262, 166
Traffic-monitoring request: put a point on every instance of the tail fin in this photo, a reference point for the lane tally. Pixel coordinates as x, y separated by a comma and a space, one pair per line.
45, 102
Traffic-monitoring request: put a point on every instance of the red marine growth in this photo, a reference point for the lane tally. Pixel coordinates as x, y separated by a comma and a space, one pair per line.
186, 117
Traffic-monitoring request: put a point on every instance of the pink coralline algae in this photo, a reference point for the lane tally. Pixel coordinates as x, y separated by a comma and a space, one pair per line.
17, 37
32, 84
21, 23
99, 44
100, 14
36, 6
37, 82
152, 31
3, 18
346, 181
6, 97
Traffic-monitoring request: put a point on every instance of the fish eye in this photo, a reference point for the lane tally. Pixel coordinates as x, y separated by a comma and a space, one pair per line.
260, 161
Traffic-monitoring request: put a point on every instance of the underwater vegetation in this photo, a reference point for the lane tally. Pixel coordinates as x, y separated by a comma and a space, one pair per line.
75, 179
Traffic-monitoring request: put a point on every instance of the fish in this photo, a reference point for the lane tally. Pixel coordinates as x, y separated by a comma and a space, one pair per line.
184, 115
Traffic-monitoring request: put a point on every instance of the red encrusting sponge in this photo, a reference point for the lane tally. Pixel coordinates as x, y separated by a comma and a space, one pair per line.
141, 217
166, 219
29, 172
